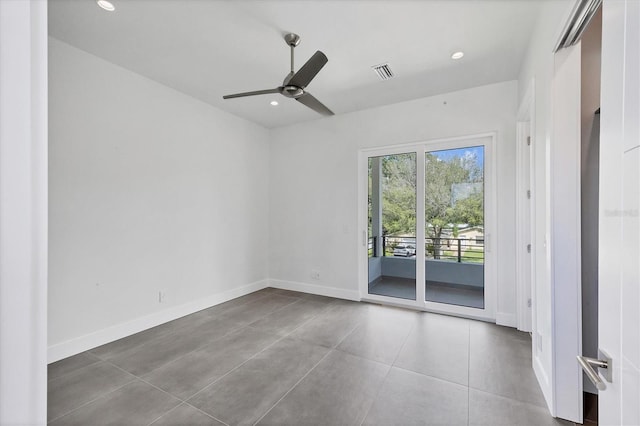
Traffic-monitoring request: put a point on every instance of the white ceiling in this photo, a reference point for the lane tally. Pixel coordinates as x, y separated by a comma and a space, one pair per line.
208, 48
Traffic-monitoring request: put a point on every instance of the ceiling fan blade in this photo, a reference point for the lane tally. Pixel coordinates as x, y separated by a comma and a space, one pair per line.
308, 100
254, 93
309, 70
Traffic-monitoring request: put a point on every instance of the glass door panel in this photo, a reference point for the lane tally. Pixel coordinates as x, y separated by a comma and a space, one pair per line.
392, 226
454, 226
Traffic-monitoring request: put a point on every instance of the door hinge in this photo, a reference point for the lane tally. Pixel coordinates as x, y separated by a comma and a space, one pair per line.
528, 194
528, 248
528, 303
528, 140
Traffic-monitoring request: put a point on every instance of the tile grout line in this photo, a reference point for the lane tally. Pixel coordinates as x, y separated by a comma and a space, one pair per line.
94, 399
74, 371
180, 330
307, 373
207, 414
373, 399
233, 330
213, 317
292, 387
252, 357
182, 401
98, 360
359, 322
406, 339
294, 301
154, 386
328, 305
188, 405
136, 377
164, 414
236, 367
519, 401
312, 368
438, 379
255, 355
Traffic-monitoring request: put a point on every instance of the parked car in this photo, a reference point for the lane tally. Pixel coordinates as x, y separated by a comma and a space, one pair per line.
404, 250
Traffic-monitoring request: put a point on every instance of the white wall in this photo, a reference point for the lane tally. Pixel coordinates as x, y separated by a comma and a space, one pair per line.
313, 183
149, 190
23, 212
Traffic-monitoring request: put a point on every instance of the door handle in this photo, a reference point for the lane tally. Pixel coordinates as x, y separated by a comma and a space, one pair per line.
605, 364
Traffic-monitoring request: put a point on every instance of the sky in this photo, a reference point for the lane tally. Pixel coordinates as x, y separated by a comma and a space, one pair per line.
460, 152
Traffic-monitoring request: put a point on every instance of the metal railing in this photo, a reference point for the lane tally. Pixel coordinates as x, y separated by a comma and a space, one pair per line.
444, 248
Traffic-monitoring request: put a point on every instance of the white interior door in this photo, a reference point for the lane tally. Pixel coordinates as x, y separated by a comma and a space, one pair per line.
558, 328
619, 255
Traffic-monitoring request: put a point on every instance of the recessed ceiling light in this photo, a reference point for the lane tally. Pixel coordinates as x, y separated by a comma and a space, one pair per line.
274, 103
457, 55
106, 5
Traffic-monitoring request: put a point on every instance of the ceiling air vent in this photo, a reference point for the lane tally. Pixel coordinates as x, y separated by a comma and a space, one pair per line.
383, 71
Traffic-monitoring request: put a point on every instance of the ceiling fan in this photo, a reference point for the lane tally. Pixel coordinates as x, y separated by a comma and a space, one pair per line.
295, 82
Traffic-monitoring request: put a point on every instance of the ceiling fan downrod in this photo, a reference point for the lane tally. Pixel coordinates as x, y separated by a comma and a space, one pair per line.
292, 40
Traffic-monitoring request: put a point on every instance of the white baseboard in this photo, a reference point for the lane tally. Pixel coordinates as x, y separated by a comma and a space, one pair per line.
544, 383
89, 341
508, 320
321, 290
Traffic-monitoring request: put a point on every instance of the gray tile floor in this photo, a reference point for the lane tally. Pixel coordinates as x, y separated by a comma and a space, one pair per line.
276, 357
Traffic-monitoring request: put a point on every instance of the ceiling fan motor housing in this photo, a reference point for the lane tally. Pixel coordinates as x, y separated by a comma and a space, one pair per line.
292, 91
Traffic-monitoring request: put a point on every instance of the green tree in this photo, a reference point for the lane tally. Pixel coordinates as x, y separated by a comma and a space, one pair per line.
453, 195
399, 194
442, 209
469, 210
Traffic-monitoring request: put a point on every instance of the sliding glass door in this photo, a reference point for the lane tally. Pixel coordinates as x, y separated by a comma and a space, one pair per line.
454, 232
428, 212
391, 246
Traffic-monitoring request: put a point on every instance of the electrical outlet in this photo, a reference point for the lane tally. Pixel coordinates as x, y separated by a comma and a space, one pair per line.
162, 296
315, 274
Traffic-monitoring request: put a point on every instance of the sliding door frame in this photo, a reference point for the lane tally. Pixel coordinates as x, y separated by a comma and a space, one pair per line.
487, 140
